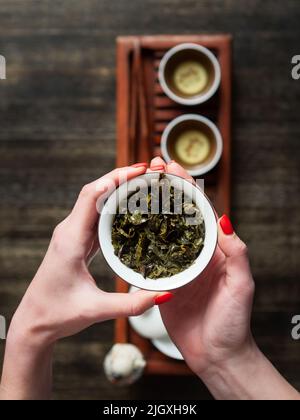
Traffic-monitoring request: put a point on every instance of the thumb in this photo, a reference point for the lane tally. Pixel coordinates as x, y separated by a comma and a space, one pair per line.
118, 305
236, 252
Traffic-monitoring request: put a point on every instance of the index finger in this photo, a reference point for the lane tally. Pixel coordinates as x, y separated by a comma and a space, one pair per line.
85, 213
173, 168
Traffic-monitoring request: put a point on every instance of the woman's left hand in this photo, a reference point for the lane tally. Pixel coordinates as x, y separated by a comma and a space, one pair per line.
63, 298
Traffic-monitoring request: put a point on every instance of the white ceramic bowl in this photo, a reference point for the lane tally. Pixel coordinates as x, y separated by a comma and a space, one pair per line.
105, 228
211, 128
166, 346
150, 325
204, 54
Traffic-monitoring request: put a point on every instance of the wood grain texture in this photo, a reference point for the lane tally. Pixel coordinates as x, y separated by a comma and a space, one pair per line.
137, 77
57, 132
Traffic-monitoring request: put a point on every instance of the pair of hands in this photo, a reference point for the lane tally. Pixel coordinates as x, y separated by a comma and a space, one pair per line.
208, 319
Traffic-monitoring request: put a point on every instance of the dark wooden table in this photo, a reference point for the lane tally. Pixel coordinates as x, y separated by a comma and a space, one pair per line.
57, 132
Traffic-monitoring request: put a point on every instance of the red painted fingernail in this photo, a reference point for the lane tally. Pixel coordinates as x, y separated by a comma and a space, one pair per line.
140, 165
226, 225
158, 168
159, 300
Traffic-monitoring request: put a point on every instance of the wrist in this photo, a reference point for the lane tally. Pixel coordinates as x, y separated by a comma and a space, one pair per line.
247, 375
225, 378
27, 334
27, 364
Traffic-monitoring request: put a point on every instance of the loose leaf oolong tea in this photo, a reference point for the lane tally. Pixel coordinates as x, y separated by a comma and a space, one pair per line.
162, 244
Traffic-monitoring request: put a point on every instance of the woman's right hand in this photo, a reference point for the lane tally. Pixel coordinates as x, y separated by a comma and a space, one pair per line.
209, 321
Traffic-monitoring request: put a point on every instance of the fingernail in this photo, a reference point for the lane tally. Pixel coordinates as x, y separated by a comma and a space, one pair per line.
172, 161
226, 225
140, 165
159, 300
157, 168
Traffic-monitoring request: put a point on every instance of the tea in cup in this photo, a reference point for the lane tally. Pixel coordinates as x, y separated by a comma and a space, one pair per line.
194, 142
189, 74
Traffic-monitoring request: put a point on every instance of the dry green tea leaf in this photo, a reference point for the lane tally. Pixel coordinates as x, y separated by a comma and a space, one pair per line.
163, 244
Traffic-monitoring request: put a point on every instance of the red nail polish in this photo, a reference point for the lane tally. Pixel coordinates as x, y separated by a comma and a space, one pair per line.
158, 168
226, 225
159, 300
140, 165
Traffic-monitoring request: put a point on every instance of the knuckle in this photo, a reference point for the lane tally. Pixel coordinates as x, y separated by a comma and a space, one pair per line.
58, 232
251, 287
85, 314
59, 237
85, 190
136, 309
242, 249
245, 289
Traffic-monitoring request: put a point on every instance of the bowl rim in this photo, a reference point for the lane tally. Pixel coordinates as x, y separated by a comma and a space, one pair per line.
212, 126
163, 284
198, 99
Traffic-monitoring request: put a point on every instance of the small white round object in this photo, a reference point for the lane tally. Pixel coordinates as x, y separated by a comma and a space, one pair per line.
124, 364
202, 168
202, 96
109, 212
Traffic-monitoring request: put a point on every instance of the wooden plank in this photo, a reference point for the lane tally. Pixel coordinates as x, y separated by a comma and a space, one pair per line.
57, 132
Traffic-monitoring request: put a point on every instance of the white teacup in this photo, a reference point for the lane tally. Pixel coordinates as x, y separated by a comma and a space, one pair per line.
211, 143
110, 210
189, 74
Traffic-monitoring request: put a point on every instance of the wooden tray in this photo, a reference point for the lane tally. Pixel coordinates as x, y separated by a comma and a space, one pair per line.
143, 111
